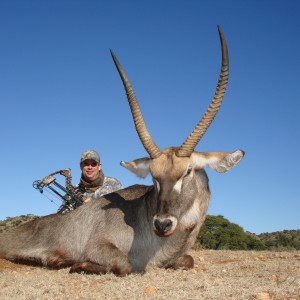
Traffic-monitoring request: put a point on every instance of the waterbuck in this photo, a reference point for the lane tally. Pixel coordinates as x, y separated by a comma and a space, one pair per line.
139, 226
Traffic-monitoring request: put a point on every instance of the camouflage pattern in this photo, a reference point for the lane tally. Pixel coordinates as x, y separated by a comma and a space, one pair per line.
110, 185
90, 154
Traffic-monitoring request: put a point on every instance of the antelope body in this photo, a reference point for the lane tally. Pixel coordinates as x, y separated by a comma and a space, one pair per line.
139, 226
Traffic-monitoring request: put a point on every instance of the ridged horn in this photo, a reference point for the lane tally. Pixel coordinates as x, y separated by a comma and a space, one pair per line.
187, 148
138, 119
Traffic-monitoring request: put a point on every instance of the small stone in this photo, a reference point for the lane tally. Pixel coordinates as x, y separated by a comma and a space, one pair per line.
263, 296
150, 289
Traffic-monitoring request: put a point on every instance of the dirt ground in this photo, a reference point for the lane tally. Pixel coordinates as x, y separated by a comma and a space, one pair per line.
217, 275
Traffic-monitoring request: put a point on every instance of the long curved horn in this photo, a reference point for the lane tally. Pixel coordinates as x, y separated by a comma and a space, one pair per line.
191, 142
138, 119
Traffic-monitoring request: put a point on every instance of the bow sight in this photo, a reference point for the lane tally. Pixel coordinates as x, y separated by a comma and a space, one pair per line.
71, 198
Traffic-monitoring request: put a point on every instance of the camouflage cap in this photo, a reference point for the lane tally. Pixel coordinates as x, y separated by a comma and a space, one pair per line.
90, 154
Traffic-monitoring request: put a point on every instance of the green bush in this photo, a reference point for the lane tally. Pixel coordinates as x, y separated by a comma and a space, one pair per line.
220, 234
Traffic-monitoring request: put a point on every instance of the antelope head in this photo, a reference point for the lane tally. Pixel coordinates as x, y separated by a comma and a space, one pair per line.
181, 185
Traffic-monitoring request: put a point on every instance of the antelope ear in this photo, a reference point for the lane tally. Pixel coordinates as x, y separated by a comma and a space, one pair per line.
218, 161
140, 166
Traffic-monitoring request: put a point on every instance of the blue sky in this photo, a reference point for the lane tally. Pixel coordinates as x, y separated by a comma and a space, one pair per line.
60, 95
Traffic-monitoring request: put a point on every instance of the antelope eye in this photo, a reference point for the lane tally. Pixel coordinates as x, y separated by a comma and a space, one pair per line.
188, 171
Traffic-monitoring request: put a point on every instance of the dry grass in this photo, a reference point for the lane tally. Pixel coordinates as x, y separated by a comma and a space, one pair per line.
217, 275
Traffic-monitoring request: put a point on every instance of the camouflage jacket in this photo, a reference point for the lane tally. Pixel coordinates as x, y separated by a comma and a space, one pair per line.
109, 185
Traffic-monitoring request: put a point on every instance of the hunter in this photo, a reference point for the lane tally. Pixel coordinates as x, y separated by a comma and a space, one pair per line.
93, 183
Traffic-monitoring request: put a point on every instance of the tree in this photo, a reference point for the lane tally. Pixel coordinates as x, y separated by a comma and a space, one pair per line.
218, 233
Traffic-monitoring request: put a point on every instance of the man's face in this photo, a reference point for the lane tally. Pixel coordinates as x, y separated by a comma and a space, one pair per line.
90, 169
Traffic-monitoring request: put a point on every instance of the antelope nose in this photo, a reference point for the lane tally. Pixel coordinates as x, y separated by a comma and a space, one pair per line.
163, 226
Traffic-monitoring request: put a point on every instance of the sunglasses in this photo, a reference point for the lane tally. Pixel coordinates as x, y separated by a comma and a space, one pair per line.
87, 163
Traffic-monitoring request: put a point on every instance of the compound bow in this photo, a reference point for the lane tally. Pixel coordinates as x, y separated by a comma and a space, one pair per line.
71, 198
